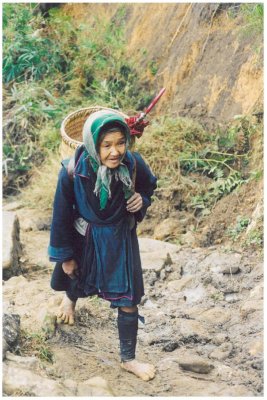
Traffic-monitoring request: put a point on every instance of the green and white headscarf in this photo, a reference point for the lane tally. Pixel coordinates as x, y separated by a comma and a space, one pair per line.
91, 131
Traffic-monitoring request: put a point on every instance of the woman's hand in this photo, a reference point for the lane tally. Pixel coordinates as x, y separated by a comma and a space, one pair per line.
134, 203
70, 268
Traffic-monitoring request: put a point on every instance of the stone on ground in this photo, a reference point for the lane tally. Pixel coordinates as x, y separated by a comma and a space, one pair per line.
11, 245
11, 329
156, 254
222, 263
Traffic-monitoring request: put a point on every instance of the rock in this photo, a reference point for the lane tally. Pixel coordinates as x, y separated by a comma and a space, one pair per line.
96, 386
155, 255
49, 325
179, 284
71, 385
149, 304
231, 297
188, 239
222, 352
20, 380
148, 245
188, 327
190, 266
11, 245
213, 316
170, 346
224, 372
194, 295
26, 362
167, 228
257, 292
36, 224
43, 224
222, 263
250, 306
151, 277
5, 348
257, 364
196, 365
162, 275
11, 329
15, 282
35, 245
255, 348
13, 206
154, 261
219, 339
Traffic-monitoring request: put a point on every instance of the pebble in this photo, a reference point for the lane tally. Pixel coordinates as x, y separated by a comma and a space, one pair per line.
231, 297
198, 366
222, 352
219, 339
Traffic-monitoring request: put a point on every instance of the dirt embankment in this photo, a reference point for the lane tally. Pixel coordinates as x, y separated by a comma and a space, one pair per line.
201, 53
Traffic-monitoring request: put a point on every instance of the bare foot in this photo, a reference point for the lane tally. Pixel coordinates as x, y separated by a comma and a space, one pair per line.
143, 371
66, 312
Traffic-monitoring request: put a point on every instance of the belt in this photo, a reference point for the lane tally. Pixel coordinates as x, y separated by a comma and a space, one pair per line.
80, 224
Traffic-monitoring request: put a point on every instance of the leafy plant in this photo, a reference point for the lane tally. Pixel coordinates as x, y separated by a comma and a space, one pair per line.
153, 67
255, 238
241, 225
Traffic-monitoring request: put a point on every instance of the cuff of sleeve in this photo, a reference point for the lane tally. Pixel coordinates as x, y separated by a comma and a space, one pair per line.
60, 254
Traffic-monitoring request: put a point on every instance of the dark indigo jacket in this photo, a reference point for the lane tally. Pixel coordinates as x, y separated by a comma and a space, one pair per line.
108, 256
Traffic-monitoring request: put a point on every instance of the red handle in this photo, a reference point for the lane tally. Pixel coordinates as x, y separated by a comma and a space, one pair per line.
156, 99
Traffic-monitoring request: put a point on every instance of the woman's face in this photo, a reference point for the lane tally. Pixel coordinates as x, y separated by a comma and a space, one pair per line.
112, 149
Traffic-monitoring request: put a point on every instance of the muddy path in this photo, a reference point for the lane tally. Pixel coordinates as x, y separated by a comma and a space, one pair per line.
204, 321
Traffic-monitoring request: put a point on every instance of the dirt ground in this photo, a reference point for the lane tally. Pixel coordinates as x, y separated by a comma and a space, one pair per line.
194, 312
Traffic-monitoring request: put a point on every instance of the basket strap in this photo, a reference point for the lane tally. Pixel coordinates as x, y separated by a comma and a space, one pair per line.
134, 173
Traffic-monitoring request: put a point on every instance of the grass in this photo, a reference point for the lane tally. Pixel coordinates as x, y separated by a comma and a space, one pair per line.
51, 67
34, 344
41, 189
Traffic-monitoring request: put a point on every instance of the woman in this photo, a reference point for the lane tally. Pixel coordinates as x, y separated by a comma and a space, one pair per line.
93, 234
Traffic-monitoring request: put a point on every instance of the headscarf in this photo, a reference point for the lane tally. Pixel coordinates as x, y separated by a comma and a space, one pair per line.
92, 128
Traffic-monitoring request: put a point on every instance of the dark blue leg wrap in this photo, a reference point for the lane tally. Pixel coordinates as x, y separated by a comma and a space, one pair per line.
71, 296
127, 326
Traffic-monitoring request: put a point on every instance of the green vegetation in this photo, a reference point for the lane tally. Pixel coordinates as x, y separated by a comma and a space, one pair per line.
180, 149
254, 17
255, 237
35, 344
240, 226
51, 68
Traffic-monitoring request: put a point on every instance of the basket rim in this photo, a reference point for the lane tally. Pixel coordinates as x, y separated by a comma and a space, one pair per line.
67, 139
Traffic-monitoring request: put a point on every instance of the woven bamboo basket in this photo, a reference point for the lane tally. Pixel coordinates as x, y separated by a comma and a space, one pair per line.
72, 128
